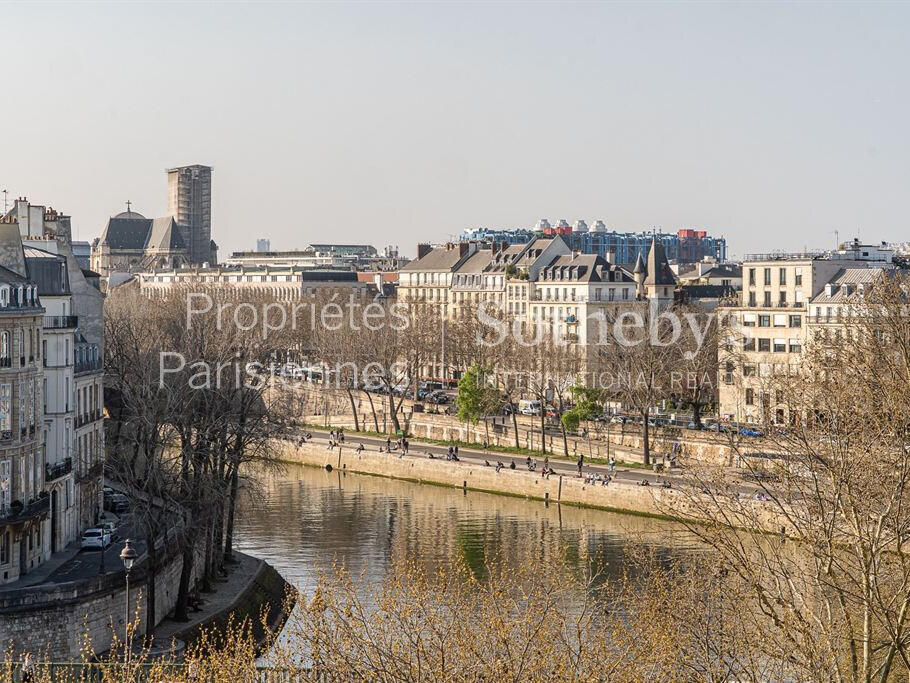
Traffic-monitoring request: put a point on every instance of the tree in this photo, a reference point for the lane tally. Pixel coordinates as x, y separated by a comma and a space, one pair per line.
477, 398
829, 596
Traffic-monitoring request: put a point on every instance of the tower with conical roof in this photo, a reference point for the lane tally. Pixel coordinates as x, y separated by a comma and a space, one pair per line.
639, 274
659, 282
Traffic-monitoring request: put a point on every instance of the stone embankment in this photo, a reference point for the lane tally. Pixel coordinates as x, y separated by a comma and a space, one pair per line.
620, 497
57, 619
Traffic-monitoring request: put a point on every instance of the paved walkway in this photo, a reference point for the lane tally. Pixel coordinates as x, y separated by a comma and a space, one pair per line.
226, 593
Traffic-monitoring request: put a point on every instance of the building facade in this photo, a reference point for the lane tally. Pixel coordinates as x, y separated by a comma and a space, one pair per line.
780, 299
27, 511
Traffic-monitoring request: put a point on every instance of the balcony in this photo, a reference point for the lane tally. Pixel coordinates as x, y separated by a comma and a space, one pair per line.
93, 472
60, 322
61, 469
21, 513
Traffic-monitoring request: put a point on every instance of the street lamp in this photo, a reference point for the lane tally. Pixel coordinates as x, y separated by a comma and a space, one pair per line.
128, 555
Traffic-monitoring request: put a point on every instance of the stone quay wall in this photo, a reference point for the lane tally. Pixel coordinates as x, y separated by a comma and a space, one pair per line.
652, 501
58, 619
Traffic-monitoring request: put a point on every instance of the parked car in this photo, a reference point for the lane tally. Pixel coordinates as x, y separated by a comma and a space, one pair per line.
439, 397
119, 504
746, 431
95, 539
529, 407
111, 529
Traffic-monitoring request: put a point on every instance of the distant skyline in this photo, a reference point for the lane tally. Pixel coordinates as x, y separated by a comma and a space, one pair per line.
773, 125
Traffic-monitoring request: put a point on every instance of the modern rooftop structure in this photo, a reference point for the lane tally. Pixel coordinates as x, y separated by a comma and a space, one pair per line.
621, 248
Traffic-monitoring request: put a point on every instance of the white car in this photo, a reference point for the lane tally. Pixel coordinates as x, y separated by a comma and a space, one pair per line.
95, 539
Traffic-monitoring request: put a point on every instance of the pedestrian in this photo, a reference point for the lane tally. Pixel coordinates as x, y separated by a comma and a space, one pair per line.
580, 463
612, 465
512, 465
405, 444
388, 445
360, 448
456, 451
28, 668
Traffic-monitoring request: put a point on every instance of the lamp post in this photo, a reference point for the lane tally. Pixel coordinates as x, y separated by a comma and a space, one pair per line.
128, 555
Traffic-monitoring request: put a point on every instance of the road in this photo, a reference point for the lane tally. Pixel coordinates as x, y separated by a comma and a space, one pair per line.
87, 563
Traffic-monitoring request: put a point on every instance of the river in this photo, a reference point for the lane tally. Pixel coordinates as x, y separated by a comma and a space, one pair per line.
305, 519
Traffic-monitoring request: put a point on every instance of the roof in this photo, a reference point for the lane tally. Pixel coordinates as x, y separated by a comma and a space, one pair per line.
137, 233
846, 283
48, 271
582, 268
659, 272
439, 258
126, 233
164, 235
477, 262
9, 277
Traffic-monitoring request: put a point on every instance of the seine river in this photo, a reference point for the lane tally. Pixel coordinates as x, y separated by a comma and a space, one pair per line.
306, 518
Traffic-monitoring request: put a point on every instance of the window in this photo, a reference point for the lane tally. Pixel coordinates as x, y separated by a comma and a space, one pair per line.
750, 397
798, 277
780, 346
748, 344
796, 321
780, 320
749, 319
752, 277
764, 344
752, 298
767, 300
783, 276
764, 321
748, 371
796, 346
767, 276
728, 373
782, 298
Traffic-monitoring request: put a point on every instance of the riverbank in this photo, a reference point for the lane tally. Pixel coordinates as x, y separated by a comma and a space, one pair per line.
628, 497
634, 499
253, 590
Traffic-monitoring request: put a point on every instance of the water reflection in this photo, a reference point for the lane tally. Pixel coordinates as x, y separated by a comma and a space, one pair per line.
305, 519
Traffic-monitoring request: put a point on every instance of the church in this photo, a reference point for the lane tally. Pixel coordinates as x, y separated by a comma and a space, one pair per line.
131, 242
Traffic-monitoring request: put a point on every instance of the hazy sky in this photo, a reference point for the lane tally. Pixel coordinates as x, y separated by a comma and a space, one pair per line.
773, 125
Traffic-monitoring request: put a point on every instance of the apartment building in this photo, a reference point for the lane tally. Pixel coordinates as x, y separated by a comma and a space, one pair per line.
69, 347
285, 283
26, 508
780, 293
542, 283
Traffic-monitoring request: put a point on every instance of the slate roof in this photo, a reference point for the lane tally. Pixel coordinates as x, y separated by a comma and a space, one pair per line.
659, 272
582, 268
137, 233
164, 235
439, 258
48, 271
126, 233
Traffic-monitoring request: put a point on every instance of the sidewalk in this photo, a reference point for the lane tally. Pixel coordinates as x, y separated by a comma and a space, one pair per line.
225, 595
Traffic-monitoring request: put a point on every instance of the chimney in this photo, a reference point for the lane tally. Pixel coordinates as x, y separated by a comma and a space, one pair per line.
423, 250
463, 248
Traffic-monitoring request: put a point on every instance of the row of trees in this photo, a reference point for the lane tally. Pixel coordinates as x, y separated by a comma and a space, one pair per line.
179, 442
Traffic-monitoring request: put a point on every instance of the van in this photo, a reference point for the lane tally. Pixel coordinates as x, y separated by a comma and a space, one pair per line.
526, 407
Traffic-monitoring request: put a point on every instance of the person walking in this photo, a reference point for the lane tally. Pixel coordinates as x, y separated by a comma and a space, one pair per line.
612, 465
580, 463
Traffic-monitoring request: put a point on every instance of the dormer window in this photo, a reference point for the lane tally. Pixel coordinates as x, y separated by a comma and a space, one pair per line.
4, 296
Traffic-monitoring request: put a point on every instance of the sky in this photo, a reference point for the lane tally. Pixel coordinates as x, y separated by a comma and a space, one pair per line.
774, 125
